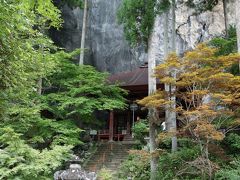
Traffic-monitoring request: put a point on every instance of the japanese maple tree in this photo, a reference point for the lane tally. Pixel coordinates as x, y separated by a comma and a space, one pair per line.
208, 97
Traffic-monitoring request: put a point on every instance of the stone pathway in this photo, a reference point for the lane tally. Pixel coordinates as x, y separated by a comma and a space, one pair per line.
109, 156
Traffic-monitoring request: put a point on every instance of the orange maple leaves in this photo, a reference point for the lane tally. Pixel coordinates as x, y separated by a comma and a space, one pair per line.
203, 87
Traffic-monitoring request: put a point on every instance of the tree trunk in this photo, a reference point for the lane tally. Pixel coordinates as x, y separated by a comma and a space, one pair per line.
237, 11
153, 52
152, 126
81, 59
159, 33
39, 86
153, 146
225, 16
165, 44
166, 39
172, 114
173, 27
40, 80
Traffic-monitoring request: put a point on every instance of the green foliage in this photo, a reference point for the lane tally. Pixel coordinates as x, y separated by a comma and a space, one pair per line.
20, 161
105, 174
137, 18
185, 143
140, 131
164, 5
33, 146
137, 166
55, 133
20, 52
166, 143
170, 164
23, 115
202, 5
231, 172
29, 144
232, 143
227, 46
80, 90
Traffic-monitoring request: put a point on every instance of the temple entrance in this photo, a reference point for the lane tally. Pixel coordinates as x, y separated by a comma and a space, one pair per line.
120, 122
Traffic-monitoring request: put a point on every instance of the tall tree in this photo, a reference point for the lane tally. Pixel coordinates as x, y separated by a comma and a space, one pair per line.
141, 26
152, 113
200, 73
237, 6
170, 46
22, 129
84, 30
81, 90
172, 114
144, 22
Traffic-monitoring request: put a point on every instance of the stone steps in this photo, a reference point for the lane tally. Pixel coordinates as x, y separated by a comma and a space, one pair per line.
108, 155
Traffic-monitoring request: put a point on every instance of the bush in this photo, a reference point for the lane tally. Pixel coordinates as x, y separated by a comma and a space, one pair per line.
140, 131
232, 143
20, 161
231, 172
172, 163
105, 174
137, 166
166, 143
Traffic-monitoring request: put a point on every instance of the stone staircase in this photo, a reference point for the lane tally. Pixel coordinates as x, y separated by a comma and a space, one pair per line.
109, 156
128, 138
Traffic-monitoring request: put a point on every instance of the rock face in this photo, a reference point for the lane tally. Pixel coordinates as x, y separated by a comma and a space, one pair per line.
106, 46
194, 28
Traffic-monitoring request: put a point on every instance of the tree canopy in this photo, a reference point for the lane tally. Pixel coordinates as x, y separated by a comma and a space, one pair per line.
75, 92
137, 18
32, 144
207, 97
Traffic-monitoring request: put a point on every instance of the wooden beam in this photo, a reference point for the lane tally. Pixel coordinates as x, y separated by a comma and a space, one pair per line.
111, 120
128, 122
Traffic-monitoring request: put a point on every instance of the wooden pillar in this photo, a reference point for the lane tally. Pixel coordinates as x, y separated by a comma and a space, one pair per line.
111, 120
128, 123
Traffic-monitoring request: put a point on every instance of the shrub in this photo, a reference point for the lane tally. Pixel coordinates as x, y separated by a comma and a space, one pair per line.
140, 131
231, 172
170, 164
232, 142
20, 161
105, 174
136, 166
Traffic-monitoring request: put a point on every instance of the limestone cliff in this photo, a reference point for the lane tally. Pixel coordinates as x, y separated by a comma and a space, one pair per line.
106, 46
194, 28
